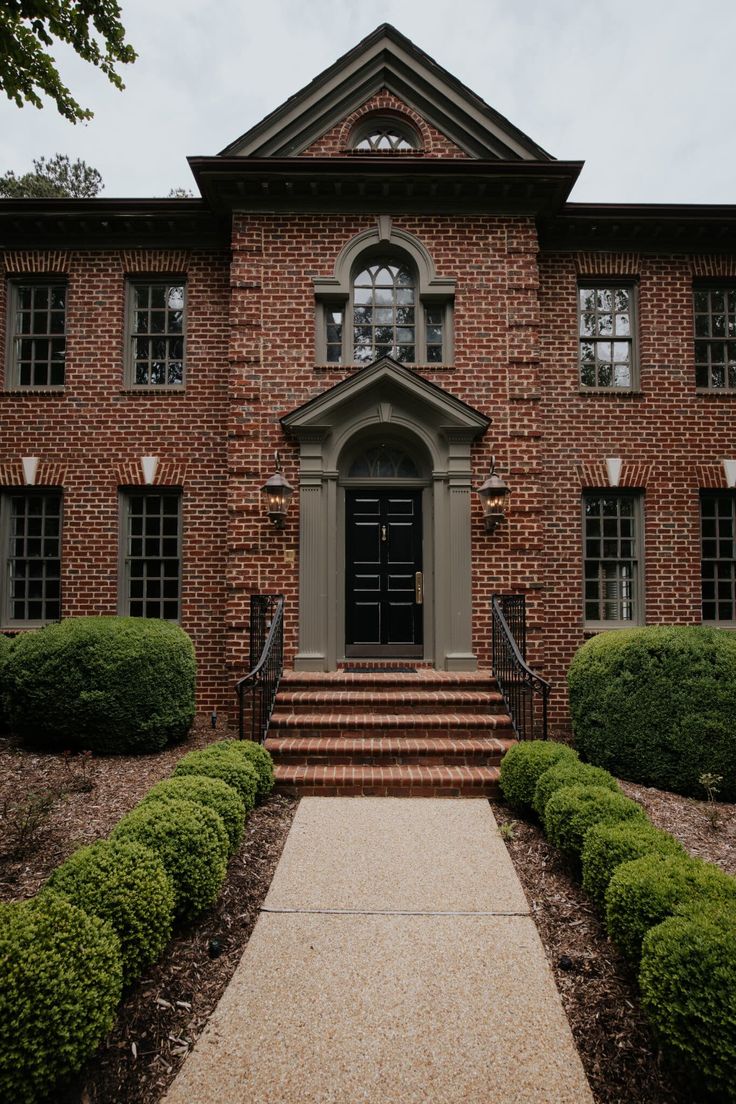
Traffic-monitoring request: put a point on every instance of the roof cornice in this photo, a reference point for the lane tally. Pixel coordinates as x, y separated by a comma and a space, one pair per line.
643, 227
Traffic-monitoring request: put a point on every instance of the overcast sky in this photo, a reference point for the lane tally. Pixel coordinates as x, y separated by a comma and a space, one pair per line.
644, 92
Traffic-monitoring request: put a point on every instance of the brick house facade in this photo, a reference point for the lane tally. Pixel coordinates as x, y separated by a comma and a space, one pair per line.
384, 283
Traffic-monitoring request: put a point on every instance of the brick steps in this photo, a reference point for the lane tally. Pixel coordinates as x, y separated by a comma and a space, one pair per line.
389, 733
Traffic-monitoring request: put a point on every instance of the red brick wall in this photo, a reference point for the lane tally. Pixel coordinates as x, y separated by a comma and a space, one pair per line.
434, 143
90, 437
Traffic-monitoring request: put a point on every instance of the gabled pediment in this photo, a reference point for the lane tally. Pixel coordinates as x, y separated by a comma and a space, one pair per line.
387, 61
383, 392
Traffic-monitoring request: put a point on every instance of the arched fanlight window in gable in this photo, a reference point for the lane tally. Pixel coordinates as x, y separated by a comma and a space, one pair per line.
384, 135
390, 304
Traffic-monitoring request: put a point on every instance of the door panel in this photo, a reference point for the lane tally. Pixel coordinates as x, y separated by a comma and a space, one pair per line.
383, 555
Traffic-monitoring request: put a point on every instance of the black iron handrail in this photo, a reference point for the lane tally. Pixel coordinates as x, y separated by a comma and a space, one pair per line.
257, 690
526, 693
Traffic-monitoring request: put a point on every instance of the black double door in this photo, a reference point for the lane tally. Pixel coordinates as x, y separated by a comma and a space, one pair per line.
384, 573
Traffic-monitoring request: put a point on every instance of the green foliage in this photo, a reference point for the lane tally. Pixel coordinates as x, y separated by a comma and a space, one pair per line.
688, 986
572, 810
6, 643
569, 773
221, 761
644, 892
262, 762
192, 844
126, 884
115, 685
607, 846
57, 178
212, 792
658, 705
522, 766
61, 983
28, 27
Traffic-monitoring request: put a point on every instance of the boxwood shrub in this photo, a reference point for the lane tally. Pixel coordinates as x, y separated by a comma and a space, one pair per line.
221, 761
569, 773
212, 792
688, 986
61, 983
572, 810
192, 844
115, 685
644, 892
658, 705
6, 644
126, 884
607, 846
263, 763
522, 766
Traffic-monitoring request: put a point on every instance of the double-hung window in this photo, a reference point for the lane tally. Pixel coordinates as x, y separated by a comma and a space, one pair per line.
612, 550
718, 556
715, 337
37, 333
30, 530
156, 333
151, 554
607, 336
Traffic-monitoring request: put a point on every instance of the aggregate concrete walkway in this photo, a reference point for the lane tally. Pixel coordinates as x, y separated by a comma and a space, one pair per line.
395, 962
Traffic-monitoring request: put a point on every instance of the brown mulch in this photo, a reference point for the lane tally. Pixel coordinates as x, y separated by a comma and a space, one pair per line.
598, 989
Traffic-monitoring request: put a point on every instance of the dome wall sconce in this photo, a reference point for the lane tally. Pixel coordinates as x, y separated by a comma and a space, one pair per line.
278, 490
492, 495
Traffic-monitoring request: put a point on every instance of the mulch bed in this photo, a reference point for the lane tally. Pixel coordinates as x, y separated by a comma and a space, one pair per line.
598, 989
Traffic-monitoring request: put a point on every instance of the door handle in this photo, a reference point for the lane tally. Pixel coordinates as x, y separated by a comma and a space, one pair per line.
383, 533
419, 588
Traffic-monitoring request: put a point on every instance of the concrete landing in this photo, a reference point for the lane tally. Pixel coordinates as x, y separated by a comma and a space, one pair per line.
395, 962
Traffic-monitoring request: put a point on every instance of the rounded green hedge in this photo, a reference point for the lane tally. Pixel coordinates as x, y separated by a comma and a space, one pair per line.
569, 773
572, 810
61, 984
6, 643
114, 685
522, 766
644, 892
658, 705
212, 792
262, 762
192, 844
607, 846
126, 884
221, 761
688, 987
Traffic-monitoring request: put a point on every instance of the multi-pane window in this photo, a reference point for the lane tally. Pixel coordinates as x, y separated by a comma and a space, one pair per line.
151, 554
384, 138
718, 556
37, 340
31, 528
157, 329
611, 539
715, 337
606, 329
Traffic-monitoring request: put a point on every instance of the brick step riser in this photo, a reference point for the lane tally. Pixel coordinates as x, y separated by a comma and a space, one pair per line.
366, 759
407, 789
423, 705
499, 731
382, 683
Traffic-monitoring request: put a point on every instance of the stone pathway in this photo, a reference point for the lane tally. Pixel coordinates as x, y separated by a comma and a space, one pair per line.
395, 962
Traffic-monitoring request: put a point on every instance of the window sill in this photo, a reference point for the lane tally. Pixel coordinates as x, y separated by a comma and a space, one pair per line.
147, 391
332, 366
593, 628
622, 392
716, 392
34, 390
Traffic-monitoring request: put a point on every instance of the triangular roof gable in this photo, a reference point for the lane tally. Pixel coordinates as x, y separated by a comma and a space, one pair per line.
449, 411
386, 59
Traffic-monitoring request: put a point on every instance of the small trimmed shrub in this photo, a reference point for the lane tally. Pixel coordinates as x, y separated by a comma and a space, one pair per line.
192, 844
126, 884
688, 987
6, 644
257, 755
573, 810
658, 705
643, 893
114, 685
61, 984
212, 792
522, 766
218, 761
569, 773
607, 846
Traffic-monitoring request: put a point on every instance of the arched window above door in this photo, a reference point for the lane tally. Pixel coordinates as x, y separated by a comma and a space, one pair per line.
383, 462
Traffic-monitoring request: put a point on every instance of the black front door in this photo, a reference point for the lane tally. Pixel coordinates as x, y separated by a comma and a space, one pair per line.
383, 573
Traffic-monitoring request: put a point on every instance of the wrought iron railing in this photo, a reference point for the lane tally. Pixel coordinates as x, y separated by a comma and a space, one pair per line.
526, 693
257, 690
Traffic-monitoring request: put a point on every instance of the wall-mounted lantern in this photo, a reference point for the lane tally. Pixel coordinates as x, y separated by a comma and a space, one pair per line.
278, 490
492, 494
